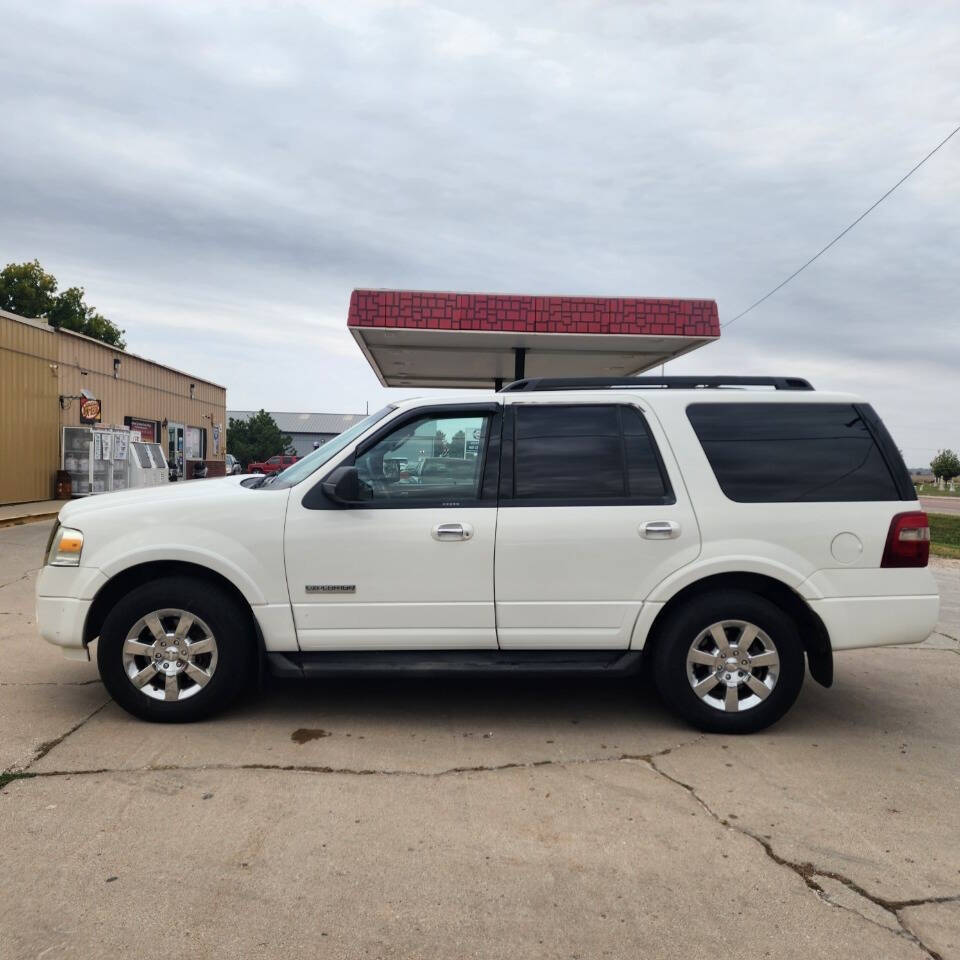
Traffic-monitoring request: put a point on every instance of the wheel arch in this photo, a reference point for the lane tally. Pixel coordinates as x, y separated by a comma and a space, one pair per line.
132, 577
813, 633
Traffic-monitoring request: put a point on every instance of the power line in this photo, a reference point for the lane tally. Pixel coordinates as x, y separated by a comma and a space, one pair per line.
843, 233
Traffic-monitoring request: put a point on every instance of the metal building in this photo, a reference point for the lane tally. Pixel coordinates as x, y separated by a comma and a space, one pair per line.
305, 429
47, 375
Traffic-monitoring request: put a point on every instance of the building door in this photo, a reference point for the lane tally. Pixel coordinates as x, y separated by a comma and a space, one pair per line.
592, 516
175, 447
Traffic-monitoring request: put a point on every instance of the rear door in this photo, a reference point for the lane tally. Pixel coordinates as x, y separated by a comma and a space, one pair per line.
593, 514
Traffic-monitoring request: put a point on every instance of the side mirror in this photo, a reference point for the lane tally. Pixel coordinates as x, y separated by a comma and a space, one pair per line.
343, 485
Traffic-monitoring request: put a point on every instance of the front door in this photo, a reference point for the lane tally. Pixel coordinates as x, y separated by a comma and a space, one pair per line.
411, 565
175, 447
590, 520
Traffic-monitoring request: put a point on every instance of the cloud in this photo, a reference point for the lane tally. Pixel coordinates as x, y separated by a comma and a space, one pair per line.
220, 177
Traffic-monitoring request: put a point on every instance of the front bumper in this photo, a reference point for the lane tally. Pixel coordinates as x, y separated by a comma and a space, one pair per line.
61, 621
64, 598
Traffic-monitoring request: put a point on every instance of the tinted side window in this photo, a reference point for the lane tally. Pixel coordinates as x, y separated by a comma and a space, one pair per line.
644, 471
784, 452
568, 453
585, 453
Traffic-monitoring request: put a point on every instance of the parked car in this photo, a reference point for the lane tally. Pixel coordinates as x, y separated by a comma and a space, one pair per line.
233, 465
724, 539
273, 465
446, 471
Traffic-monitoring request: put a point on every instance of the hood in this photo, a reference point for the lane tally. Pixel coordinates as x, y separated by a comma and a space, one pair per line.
182, 491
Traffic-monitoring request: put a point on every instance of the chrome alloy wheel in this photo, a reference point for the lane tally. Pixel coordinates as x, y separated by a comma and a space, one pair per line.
732, 665
169, 654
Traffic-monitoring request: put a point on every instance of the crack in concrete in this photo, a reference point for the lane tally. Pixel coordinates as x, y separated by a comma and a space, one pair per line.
930, 649
10, 583
344, 771
48, 745
49, 683
808, 872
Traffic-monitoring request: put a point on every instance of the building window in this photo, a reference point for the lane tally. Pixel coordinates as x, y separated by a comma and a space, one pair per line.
195, 443
149, 429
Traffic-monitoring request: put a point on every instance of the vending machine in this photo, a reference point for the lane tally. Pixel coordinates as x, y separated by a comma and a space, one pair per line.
95, 458
76, 447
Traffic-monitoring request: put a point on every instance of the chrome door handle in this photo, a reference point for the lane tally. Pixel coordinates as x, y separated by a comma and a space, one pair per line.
452, 531
660, 530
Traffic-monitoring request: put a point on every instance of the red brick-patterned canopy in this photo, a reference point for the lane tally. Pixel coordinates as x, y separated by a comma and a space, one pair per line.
428, 339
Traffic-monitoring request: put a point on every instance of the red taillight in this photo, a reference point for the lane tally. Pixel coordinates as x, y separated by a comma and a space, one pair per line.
908, 542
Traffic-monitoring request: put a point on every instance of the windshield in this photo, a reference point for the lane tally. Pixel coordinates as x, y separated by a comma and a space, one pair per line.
312, 461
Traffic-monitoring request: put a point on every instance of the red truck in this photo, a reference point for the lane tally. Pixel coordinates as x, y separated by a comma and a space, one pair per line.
273, 465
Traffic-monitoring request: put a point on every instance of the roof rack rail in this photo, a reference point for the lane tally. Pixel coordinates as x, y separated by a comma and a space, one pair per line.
676, 383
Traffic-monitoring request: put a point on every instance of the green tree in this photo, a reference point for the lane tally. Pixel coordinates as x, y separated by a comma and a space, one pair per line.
28, 290
256, 439
458, 445
945, 464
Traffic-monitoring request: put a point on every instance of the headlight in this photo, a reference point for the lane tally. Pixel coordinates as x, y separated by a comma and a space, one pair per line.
65, 547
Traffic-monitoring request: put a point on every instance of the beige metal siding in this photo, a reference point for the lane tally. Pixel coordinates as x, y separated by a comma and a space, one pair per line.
29, 411
139, 389
38, 366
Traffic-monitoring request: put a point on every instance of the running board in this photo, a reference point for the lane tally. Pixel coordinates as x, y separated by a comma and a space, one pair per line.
324, 663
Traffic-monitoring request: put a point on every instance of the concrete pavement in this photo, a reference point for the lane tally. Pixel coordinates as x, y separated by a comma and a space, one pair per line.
494, 819
940, 504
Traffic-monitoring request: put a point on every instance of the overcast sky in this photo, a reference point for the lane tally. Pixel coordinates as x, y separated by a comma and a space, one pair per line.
220, 177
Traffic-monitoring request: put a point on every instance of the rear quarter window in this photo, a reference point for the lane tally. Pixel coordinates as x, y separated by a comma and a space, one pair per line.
789, 452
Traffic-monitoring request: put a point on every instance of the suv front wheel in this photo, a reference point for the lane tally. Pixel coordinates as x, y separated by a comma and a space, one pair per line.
729, 662
175, 650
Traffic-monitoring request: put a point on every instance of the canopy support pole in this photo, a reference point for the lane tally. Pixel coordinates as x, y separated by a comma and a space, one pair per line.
519, 362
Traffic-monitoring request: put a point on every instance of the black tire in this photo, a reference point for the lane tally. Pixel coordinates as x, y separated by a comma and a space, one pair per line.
214, 607
674, 641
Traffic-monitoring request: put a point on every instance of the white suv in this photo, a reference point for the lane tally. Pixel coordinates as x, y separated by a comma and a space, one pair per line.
719, 533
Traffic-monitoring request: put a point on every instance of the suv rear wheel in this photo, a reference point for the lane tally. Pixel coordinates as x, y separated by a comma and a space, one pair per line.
729, 662
175, 650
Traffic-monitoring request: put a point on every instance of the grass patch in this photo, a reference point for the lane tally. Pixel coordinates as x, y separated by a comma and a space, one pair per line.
944, 534
9, 777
